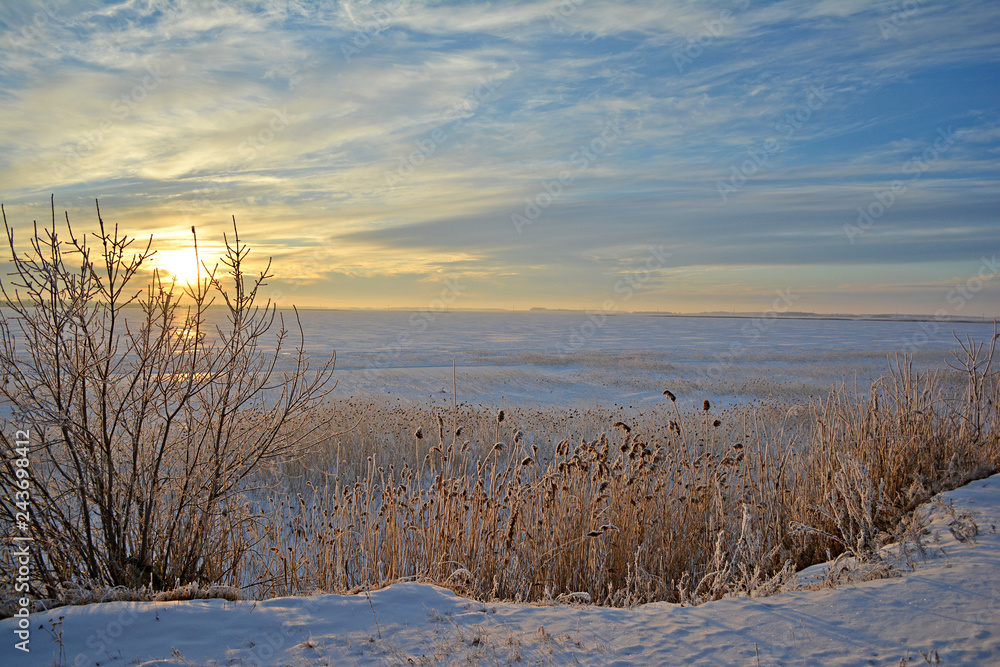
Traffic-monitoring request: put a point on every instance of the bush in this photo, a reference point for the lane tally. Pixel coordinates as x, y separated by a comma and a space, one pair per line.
146, 423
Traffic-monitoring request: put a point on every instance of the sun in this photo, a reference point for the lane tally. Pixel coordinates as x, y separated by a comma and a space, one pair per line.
178, 266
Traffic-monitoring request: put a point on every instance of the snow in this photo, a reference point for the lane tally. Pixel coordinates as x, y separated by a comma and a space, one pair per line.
578, 359
573, 359
581, 359
948, 601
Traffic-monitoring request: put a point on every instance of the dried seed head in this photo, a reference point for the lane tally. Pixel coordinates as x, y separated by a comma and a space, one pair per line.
716, 423
669, 394
623, 427
706, 405
419, 434
527, 461
500, 416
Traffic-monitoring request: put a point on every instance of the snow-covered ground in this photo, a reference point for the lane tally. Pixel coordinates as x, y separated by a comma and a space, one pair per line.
948, 602
576, 359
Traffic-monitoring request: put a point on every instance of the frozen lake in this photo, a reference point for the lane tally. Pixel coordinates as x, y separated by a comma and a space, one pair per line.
552, 358
571, 358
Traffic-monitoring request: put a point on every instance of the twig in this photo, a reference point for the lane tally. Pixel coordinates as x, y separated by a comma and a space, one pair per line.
378, 629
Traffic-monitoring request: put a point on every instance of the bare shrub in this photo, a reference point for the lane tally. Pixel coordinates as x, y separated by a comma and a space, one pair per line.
146, 423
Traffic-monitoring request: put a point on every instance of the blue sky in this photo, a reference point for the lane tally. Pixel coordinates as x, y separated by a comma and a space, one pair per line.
681, 156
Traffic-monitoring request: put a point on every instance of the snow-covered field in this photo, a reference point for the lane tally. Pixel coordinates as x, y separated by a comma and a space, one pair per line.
946, 601
569, 359
576, 359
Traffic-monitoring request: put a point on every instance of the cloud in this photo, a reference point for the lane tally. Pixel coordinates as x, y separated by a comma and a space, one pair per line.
405, 135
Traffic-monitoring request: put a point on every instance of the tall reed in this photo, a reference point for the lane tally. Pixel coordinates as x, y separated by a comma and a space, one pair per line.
664, 505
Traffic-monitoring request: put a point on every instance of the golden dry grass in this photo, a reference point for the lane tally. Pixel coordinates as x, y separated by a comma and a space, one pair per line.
624, 505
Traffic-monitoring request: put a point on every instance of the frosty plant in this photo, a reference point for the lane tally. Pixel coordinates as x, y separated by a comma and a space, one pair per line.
150, 421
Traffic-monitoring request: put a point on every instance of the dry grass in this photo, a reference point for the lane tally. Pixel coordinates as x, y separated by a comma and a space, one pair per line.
621, 505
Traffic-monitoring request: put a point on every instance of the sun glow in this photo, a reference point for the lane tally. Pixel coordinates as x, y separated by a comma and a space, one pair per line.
178, 266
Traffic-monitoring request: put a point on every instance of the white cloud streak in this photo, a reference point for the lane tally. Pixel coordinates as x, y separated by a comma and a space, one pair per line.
200, 142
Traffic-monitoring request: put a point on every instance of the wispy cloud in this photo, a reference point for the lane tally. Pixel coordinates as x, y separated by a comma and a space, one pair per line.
384, 145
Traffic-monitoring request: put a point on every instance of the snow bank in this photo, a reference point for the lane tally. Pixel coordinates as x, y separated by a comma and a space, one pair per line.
949, 603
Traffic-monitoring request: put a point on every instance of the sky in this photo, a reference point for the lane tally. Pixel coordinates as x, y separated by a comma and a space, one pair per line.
830, 156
